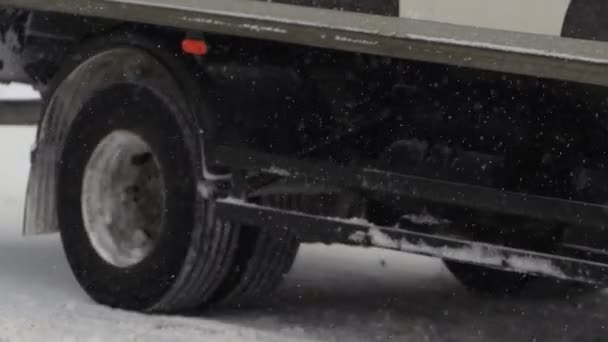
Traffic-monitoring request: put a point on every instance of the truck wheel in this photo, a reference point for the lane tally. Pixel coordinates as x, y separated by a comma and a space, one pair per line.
264, 257
487, 281
269, 253
135, 232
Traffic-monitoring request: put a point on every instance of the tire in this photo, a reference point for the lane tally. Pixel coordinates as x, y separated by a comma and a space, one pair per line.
260, 267
264, 257
126, 99
488, 281
196, 258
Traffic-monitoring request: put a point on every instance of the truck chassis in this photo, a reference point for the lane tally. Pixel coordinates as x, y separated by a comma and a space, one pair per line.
542, 222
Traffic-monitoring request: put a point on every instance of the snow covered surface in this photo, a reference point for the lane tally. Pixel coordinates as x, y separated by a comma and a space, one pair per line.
333, 294
18, 91
425, 219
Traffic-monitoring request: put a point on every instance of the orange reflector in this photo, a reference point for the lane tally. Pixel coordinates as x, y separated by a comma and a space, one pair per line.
195, 47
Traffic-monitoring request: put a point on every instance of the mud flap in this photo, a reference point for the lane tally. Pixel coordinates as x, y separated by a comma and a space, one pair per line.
40, 202
39, 215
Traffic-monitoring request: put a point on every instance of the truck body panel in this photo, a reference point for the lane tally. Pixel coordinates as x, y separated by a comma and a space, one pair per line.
537, 16
530, 54
532, 16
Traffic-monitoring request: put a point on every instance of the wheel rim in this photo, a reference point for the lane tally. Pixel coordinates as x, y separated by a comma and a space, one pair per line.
123, 199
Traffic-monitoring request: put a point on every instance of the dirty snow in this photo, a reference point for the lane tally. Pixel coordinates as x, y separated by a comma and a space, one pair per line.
275, 170
425, 219
332, 294
476, 253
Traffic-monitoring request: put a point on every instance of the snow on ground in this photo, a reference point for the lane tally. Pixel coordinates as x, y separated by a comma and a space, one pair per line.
18, 91
332, 294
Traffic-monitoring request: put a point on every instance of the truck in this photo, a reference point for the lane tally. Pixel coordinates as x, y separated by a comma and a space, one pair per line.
185, 148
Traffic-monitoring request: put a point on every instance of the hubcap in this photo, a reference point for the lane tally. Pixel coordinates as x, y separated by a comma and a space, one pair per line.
123, 199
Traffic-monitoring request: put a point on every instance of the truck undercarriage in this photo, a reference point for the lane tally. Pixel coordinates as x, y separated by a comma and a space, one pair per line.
490, 155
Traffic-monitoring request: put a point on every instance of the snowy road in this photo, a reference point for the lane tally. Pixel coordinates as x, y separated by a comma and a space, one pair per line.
332, 294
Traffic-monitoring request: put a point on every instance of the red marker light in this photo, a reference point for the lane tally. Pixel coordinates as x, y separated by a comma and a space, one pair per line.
195, 47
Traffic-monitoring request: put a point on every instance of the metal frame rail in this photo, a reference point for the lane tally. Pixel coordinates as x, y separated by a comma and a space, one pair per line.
313, 228
432, 190
570, 262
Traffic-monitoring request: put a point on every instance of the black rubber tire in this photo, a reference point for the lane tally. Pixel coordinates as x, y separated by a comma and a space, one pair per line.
264, 257
269, 253
488, 281
115, 86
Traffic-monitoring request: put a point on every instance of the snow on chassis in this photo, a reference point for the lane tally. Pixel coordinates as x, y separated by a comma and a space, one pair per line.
185, 150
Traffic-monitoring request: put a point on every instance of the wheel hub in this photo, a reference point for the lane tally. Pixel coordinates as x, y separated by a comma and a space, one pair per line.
123, 199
